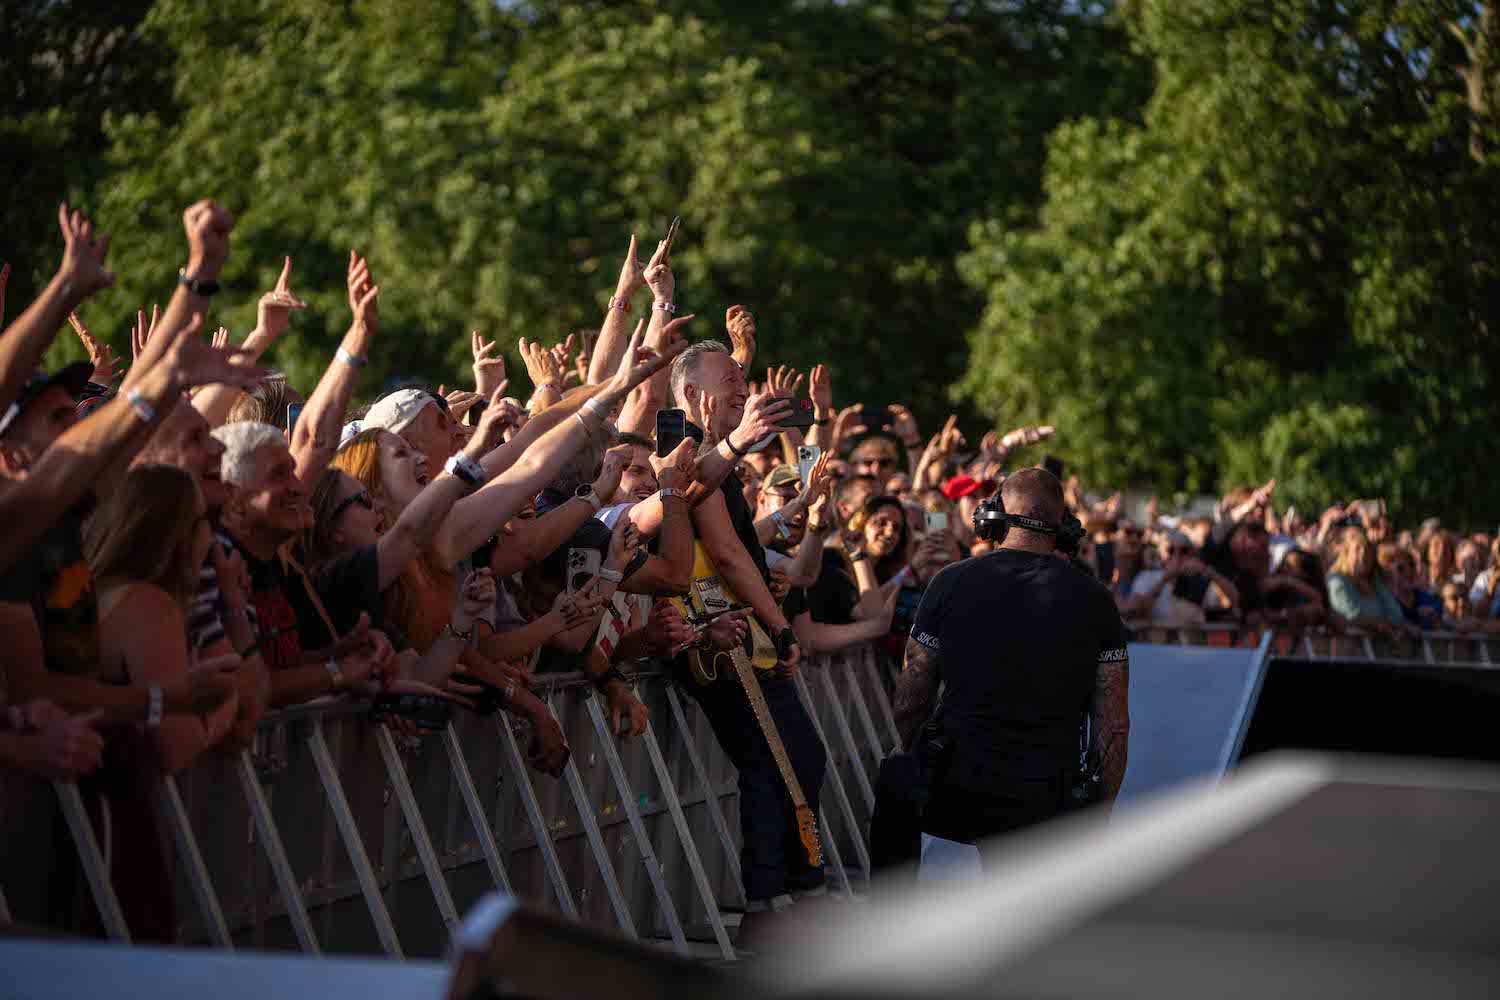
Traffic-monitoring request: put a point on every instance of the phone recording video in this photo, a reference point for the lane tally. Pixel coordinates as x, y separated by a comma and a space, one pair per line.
671, 428
801, 415
807, 457
583, 566
293, 411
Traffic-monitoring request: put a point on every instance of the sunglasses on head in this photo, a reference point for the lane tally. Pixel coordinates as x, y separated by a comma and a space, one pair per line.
362, 498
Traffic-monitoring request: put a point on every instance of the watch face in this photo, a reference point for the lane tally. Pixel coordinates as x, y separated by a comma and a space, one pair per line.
583, 491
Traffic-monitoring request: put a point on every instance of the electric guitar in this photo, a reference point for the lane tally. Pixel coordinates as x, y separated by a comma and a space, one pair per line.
708, 599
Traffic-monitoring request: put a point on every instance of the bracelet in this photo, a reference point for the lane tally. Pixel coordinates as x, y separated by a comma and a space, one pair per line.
781, 525
332, 666
153, 706
613, 576
352, 360
824, 422
669, 491
666, 307
621, 304
198, 286
595, 407
735, 451
140, 407
611, 674
545, 385
859, 557
465, 468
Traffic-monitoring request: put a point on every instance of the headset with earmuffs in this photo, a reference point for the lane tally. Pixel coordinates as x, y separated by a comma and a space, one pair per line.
992, 523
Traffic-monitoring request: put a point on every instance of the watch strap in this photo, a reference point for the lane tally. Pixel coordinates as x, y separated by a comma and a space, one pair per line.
198, 286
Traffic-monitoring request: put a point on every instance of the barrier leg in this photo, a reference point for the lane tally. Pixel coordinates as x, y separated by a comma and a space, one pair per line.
197, 873
856, 836
270, 839
862, 711
333, 789
877, 691
94, 870
460, 770
835, 856
436, 881
710, 796
637, 825
689, 849
841, 723
596, 841
534, 815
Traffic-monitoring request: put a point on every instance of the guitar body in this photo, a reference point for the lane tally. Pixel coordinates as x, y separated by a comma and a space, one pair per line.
710, 596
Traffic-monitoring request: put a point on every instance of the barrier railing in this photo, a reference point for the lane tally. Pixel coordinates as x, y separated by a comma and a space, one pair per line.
334, 834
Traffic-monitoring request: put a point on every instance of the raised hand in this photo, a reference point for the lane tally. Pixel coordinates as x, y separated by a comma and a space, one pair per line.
760, 420
616, 461
678, 470
208, 227
102, 356
83, 255
819, 480
581, 366
820, 388
142, 333
274, 310
905, 425
658, 275
541, 365
740, 324
220, 339
194, 363
1023, 436
783, 381
632, 273
639, 363
363, 293
844, 424
500, 415
489, 372
562, 352
460, 401
624, 541
951, 438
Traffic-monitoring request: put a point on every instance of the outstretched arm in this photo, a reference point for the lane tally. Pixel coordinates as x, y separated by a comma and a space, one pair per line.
315, 439
916, 687
273, 313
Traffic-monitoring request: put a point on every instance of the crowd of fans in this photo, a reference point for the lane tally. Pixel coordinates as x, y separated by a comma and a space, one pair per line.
199, 542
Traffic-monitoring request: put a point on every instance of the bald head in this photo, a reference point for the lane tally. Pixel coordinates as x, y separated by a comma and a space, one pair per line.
1033, 493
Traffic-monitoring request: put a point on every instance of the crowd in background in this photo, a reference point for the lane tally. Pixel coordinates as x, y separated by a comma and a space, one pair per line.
196, 540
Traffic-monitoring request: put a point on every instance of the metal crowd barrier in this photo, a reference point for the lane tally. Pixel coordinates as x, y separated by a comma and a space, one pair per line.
333, 834
1319, 643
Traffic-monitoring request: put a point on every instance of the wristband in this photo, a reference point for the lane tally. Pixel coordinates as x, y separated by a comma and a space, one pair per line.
824, 422
465, 468
596, 408
352, 360
859, 557
546, 385
785, 640
332, 666
737, 453
781, 525
668, 491
153, 706
611, 674
140, 407
666, 307
613, 576
621, 304
197, 286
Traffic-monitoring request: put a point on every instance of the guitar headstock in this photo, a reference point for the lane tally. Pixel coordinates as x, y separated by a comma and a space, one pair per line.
807, 832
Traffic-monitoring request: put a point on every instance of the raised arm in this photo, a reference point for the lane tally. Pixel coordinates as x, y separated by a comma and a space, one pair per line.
316, 436
530, 542
273, 313
615, 333
80, 275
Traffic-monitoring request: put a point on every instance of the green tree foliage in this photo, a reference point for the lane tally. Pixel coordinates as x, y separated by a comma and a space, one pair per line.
827, 160
1287, 268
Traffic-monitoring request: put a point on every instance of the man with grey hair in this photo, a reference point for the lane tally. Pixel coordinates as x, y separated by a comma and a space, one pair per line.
265, 513
710, 387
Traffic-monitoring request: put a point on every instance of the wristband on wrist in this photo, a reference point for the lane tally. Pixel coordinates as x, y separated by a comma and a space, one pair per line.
859, 557
352, 360
666, 307
140, 407
153, 706
465, 468
781, 526
729, 440
621, 304
197, 286
595, 407
668, 491
610, 575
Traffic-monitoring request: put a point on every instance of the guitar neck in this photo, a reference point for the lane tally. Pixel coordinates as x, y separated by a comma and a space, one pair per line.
762, 711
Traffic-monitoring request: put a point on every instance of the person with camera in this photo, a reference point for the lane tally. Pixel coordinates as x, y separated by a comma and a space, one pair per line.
1025, 644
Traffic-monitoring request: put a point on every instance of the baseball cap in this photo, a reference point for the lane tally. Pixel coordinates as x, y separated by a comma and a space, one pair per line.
962, 486
71, 377
397, 411
782, 475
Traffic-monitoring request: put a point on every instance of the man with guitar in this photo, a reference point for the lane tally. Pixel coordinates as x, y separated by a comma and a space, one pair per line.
749, 695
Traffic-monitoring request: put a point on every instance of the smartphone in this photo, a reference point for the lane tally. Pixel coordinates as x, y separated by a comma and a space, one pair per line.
475, 412
583, 566
1054, 465
429, 712
937, 521
672, 235
807, 457
801, 415
671, 428
293, 411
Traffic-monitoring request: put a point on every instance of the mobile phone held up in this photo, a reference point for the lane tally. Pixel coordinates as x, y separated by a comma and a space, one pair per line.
807, 457
293, 411
937, 521
801, 415
583, 566
671, 428
1054, 465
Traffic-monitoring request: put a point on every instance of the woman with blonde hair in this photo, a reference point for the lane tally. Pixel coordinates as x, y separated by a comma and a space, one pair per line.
1356, 592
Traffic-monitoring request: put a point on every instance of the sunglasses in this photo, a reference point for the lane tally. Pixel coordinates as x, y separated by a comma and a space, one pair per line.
362, 498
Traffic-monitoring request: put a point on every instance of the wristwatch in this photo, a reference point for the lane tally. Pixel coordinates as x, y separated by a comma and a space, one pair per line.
785, 639
586, 492
668, 491
198, 286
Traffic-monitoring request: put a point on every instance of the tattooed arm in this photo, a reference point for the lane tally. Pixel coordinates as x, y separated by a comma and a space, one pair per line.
1109, 722
915, 689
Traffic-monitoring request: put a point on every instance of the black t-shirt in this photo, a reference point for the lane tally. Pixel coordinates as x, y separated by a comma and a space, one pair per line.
53, 577
743, 520
348, 586
1020, 637
275, 616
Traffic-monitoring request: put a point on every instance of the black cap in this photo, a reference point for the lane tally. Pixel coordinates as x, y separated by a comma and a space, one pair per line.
71, 377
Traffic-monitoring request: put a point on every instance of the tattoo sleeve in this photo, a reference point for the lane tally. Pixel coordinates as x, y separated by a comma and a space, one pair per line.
915, 689
1109, 723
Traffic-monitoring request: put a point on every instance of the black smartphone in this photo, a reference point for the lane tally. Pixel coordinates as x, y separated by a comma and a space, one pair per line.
672, 235
293, 411
475, 412
801, 415
1054, 465
671, 428
429, 712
